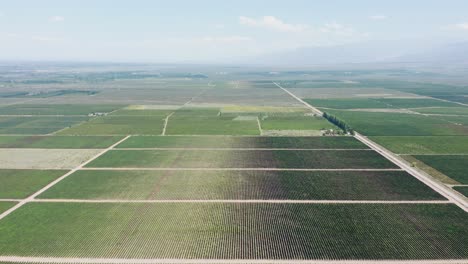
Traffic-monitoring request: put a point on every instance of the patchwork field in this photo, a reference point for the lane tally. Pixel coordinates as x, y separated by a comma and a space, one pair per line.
5, 206
443, 110
44, 158
237, 185
424, 144
313, 159
454, 166
57, 142
22, 183
236, 231
347, 103
221, 164
295, 123
399, 124
241, 142
119, 125
56, 109
209, 122
40, 125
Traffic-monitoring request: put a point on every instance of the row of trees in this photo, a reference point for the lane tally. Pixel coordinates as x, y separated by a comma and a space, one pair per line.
339, 123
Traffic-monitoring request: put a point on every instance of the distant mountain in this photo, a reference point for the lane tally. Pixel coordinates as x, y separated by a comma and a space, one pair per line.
449, 53
370, 52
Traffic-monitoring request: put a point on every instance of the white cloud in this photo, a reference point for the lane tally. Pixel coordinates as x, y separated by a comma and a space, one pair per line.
271, 22
463, 26
219, 26
378, 17
56, 19
337, 29
225, 39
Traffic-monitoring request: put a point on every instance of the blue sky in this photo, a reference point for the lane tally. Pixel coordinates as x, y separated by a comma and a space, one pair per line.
214, 31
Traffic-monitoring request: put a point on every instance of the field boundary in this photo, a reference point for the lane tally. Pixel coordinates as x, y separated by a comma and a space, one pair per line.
245, 201
447, 192
217, 261
34, 195
231, 169
292, 149
166, 121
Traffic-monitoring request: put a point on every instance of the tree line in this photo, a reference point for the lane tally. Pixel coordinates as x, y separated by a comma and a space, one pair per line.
339, 123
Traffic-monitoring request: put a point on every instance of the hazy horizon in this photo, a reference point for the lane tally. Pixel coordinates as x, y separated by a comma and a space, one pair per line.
214, 32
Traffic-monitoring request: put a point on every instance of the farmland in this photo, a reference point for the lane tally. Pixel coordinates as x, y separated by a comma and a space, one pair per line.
56, 109
44, 158
241, 142
5, 206
223, 165
453, 166
235, 185
462, 189
119, 125
187, 231
399, 124
57, 142
424, 144
241, 159
30, 125
22, 183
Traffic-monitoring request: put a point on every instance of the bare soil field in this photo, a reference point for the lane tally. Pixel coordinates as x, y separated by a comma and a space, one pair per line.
44, 158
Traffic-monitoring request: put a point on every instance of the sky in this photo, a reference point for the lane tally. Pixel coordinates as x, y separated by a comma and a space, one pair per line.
215, 31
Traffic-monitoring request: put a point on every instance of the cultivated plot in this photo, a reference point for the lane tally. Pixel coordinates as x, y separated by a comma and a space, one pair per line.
240, 185
236, 231
399, 124
348, 103
312, 159
37, 125
245, 97
44, 158
241, 142
208, 121
443, 110
295, 123
424, 144
120, 125
454, 166
58, 142
5, 206
17, 184
57, 109
462, 189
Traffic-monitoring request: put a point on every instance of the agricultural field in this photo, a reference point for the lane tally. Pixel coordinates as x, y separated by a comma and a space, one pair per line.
202, 164
240, 185
442, 110
241, 142
415, 103
119, 125
18, 158
454, 166
312, 159
412, 145
18, 184
295, 123
399, 124
347, 103
56, 109
37, 125
462, 189
187, 231
208, 121
5, 206
58, 142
